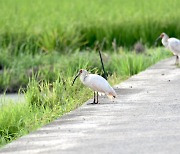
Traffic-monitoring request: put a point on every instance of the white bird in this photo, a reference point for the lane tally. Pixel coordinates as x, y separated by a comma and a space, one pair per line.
173, 44
97, 83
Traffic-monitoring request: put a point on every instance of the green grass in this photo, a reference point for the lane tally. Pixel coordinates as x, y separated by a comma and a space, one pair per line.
49, 93
66, 25
17, 69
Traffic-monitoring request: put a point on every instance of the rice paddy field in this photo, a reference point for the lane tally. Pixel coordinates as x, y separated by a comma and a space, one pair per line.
44, 43
65, 25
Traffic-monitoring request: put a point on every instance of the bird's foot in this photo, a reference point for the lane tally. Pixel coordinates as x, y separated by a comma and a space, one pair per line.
93, 103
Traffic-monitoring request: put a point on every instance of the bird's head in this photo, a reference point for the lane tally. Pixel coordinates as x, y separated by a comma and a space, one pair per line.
81, 72
160, 37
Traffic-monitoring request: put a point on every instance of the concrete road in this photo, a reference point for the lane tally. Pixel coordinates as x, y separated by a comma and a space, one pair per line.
144, 119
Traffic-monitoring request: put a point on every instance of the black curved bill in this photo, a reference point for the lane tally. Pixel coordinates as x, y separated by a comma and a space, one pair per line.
155, 43
75, 79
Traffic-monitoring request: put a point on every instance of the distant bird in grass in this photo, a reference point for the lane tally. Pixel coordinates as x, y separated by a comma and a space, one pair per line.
97, 83
139, 47
173, 44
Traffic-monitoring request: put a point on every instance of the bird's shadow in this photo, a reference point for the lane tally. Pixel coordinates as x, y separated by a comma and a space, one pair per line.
104, 103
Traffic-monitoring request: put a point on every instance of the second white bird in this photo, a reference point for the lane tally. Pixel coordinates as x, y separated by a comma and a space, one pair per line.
173, 44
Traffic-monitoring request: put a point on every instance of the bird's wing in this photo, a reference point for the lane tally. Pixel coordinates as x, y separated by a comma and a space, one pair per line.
174, 45
99, 84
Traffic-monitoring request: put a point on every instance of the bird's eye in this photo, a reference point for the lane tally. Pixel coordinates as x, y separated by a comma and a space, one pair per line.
80, 71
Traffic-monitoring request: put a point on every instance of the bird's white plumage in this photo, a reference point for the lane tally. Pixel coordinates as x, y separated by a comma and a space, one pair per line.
97, 83
173, 44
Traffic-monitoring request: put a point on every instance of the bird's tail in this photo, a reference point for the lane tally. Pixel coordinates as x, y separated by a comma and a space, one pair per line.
112, 94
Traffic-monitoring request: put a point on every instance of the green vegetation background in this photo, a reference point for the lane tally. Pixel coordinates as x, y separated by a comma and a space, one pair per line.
43, 43
65, 25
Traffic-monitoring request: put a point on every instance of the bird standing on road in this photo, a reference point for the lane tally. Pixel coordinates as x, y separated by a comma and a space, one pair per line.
97, 83
172, 44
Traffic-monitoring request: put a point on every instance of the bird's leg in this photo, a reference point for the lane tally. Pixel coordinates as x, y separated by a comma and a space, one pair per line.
97, 100
177, 60
94, 101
